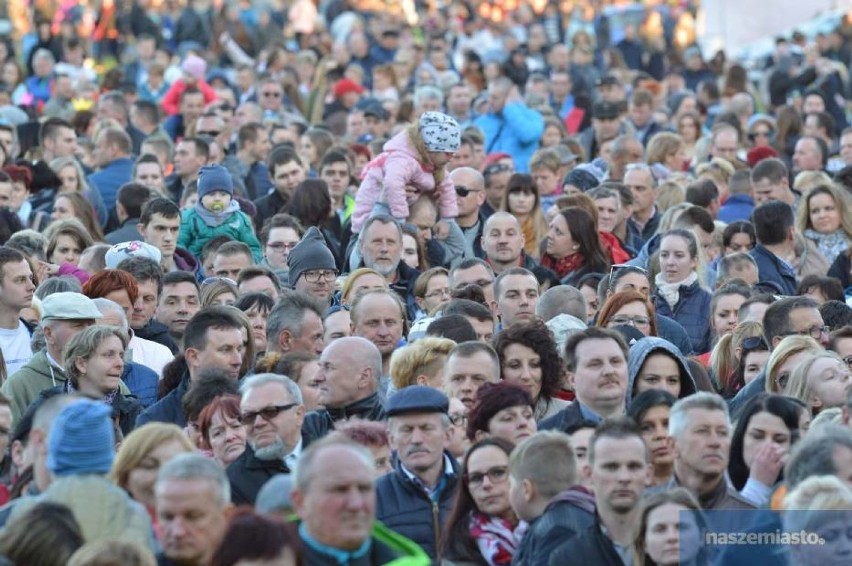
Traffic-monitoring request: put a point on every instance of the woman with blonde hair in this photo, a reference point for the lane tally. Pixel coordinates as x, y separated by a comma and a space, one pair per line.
71, 174
360, 281
822, 381
820, 505
420, 363
785, 358
718, 170
669, 194
666, 148
805, 181
727, 356
218, 291
824, 216
140, 457
76, 206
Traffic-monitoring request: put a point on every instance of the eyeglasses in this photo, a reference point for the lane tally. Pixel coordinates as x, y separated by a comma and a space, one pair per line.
272, 94
458, 420
814, 332
281, 246
438, 293
266, 413
314, 276
622, 319
211, 133
463, 191
497, 474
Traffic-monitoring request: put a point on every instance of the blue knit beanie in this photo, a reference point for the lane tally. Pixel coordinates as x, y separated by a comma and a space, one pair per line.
81, 439
214, 178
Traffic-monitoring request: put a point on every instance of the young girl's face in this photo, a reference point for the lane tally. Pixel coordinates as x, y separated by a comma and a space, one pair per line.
521, 202
216, 201
68, 176
307, 150
440, 158
189, 201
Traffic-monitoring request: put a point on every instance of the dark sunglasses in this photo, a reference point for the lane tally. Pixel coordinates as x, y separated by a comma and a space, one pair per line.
211, 133
754, 343
266, 413
463, 191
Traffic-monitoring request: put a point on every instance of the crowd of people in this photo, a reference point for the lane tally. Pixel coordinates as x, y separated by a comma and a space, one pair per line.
291, 282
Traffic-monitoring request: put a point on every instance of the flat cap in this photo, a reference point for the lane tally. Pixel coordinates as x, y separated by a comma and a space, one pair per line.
69, 306
417, 399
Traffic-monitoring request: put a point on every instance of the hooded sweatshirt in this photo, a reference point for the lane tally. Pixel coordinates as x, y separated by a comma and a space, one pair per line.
643, 348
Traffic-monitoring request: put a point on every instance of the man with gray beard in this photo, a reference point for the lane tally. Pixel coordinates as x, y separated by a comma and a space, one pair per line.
272, 411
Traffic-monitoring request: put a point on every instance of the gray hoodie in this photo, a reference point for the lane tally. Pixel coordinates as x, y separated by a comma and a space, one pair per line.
640, 351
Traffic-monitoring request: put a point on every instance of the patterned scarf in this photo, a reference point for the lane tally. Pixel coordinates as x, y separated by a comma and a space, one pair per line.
565, 265
496, 538
829, 245
108, 398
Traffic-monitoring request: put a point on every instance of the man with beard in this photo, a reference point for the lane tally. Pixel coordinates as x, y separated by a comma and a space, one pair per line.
700, 429
272, 411
380, 246
618, 470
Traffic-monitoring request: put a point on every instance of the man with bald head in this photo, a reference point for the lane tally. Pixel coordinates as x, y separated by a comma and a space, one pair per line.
503, 242
470, 192
348, 377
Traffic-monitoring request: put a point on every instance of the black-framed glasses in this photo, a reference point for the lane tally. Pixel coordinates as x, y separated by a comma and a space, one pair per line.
267, 413
623, 319
458, 420
315, 275
814, 332
463, 191
211, 133
281, 246
497, 474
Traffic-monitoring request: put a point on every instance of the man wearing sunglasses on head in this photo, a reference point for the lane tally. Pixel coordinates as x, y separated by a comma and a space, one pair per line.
271, 410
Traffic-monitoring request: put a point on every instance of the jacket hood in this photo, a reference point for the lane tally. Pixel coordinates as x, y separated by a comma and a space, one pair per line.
401, 142
643, 348
185, 261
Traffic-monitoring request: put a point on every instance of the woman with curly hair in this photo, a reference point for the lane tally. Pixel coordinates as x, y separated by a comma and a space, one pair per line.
528, 355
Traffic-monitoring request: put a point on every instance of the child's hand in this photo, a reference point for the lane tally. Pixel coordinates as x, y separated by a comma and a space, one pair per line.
410, 192
441, 230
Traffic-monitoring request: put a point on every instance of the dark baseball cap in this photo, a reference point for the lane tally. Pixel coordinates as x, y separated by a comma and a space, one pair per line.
608, 80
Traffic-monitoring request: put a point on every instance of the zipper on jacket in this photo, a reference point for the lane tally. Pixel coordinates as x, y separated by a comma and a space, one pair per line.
436, 525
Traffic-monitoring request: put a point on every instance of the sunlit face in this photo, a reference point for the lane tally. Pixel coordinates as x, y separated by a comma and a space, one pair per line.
660, 371
227, 438
725, 314
765, 431
513, 424
823, 213
140, 480
67, 250
607, 213
70, 182
676, 261
600, 378
518, 298
667, 524
829, 383
523, 365
488, 481
101, 372
559, 241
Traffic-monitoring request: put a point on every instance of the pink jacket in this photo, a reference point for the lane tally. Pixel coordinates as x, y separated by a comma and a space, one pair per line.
385, 178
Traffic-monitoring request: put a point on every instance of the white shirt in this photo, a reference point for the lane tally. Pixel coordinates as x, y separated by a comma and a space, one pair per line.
292, 458
15, 345
149, 353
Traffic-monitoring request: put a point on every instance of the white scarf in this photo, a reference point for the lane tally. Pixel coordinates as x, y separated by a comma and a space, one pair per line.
671, 291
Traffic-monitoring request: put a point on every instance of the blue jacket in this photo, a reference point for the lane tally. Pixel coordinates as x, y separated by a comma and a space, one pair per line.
692, 311
168, 409
405, 508
771, 268
672, 331
142, 382
516, 130
737, 207
108, 180
640, 351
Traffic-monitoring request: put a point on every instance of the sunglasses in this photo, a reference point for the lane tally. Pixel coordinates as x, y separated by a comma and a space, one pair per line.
272, 94
624, 267
463, 191
211, 133
495, 168
267, 413
754, 343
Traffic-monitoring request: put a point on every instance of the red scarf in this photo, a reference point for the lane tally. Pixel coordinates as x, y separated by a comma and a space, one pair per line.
565, 265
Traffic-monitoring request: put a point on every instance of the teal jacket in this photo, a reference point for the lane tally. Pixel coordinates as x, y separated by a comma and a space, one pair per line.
194, 232
388, 549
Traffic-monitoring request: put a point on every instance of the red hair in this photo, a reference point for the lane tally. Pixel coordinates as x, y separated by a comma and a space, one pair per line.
229, 405
19, 174
105, 282
618, 300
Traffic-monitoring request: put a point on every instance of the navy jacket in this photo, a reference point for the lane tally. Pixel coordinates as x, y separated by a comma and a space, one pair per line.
692, 311
771, 268
405, 508
589, 547
673, 331
568, 420
126, 233
108, 180
168, 409
737, 207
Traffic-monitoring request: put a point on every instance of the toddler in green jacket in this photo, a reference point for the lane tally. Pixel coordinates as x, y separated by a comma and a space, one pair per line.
215, 214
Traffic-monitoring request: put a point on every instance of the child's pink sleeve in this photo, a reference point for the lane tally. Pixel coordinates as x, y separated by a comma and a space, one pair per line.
400, 170
448, 204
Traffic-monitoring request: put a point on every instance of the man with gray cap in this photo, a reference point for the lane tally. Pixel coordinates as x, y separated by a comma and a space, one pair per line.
425, 477
64, 315
312, 266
